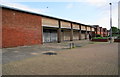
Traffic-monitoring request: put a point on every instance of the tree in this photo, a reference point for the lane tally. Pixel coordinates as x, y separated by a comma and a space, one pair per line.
115, 31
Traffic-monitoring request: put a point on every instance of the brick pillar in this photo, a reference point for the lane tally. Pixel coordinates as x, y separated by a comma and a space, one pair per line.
100, 31
86, 32
91, 31
107, 32
79, 32
103, 32
59, 32
63, 35
95, 32
71, 35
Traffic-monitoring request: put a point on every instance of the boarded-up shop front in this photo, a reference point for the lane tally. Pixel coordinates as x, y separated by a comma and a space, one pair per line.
87, 35
76, 29
75, 35
82, 35
66, 35
65, 31
49, 35
50, 27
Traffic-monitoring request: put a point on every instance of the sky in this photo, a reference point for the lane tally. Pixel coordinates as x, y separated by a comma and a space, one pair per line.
89, 12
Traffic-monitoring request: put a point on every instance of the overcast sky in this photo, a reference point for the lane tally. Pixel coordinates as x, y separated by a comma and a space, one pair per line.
93, 12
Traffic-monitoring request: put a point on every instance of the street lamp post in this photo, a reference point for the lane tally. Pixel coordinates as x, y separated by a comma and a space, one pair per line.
110, 22
119, 18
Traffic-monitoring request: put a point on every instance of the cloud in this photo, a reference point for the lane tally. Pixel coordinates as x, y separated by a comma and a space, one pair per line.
101, 4
90, 1
104, 12
98, 3
22, 7
44, 0
70, 5
104, 20
114, 17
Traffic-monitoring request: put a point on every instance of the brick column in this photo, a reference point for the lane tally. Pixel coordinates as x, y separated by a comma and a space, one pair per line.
95, 32
79, 32
107, 32
71, 35
86, 32
91, 31
59, 32
100, 30
62, 39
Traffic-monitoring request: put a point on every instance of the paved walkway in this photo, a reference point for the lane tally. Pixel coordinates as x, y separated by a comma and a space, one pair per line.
92, 59
23, 52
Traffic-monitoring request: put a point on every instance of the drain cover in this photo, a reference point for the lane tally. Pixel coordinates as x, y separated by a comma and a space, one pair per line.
50, 53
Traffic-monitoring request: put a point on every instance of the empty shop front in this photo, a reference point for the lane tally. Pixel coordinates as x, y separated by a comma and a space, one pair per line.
49, 35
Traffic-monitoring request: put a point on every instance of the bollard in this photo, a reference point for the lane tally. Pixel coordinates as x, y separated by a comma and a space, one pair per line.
71, 45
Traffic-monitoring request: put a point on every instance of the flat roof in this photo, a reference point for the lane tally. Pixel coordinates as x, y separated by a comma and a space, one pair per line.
34, 13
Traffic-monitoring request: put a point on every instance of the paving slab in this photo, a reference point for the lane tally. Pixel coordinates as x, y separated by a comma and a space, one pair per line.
22, 52
91, 59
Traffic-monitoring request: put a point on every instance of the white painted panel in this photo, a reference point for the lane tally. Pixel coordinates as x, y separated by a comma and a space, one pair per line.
76, 26
49, 22
65, 25
88, 29
93, 29
83, 28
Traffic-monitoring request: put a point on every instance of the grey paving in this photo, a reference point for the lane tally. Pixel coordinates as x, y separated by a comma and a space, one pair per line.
90, 59
22, 52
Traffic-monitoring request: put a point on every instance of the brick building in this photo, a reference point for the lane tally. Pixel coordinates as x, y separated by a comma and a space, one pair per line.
21, 28
105, 32
101, 31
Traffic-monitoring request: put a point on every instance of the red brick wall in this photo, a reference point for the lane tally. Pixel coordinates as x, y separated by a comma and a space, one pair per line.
0, 28
101, 31
19, 29
105, 32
